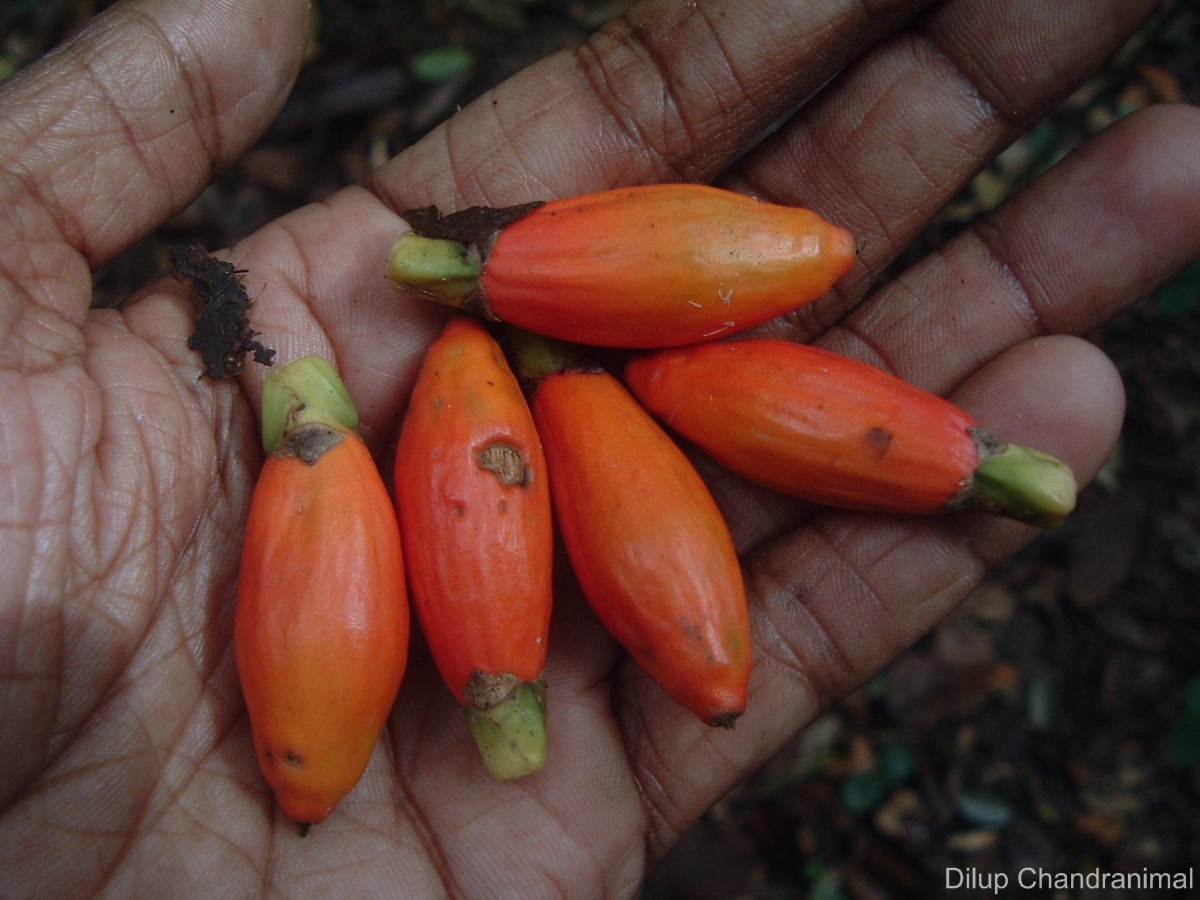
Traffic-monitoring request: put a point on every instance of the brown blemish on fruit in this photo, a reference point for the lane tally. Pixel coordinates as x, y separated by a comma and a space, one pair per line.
878, 441
690, 630
294, 759
506, 462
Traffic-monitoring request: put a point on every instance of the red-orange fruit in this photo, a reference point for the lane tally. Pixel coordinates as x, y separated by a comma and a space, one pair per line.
833, 430
647, 542
651, 266
321, 623
474, 505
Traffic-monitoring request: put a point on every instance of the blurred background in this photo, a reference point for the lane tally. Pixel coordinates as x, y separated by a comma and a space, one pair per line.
1054, 720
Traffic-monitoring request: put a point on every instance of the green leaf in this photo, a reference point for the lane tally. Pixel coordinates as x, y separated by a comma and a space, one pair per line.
896, 763
984, 810
441, 64
862, 792
1179, 298
1191, 697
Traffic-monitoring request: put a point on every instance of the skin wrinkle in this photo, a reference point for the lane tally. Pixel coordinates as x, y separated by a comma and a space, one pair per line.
939, 540
410, 814
138, 815
94, 567
109, 33
114, 127
207, 633
981, 89
44, 340
659, 840
593, 65
30, 194
301, 285
907, 71
775, 588
115, 563
600, 870
48, 280
219, 717
549, 822
63, 450
1024, 287
665, 819
660, 814
165, 789
115, 886
1032, 62
860, 340
978, 120
156, 806
199, 91
111, 112
509, 137
745, 94
672, 110
199, 113
32, 663
771, 643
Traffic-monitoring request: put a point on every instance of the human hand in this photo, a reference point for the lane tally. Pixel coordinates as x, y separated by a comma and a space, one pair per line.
125, 757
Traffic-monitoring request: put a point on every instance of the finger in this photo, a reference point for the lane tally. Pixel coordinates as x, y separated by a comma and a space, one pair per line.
667, 92
832, 603
109, 135
1096, 233
901, 132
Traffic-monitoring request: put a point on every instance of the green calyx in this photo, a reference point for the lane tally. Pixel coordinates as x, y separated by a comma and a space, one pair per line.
1024, 484
511, 733
534, 356
443, 270
305, 391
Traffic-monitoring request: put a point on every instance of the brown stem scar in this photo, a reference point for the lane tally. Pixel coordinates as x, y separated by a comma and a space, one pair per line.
310, 442
485, 690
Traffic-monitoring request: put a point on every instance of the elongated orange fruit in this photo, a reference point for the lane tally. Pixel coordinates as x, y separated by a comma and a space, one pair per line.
647, 542
652, 266
833, 430
321, 623
474, 508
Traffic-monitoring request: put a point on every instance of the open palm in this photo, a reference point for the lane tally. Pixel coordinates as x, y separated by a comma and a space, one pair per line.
125, 758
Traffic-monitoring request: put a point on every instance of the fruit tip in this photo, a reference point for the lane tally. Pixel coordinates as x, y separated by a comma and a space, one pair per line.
1026, 485
305, 391
511, 734
443, 270
726, 720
